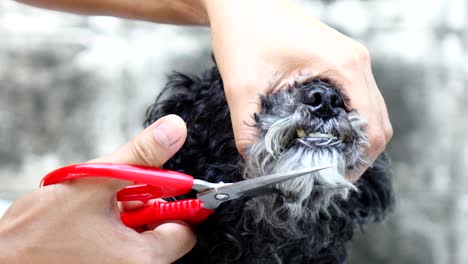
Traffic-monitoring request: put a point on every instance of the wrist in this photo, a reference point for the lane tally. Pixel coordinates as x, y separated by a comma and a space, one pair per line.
213, 7
191, 12
182, 12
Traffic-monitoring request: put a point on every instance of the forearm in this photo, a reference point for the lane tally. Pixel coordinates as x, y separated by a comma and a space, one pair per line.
186, 12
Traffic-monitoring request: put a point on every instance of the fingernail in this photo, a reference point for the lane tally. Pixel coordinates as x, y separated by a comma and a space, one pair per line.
167, 132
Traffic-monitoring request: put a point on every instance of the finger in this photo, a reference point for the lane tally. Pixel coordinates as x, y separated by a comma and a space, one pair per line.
170, 241
243, 108
378, 129
135, 205
244, 102
131, 205
152, 147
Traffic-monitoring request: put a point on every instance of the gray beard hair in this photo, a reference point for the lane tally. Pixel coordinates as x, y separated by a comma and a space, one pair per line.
304, 197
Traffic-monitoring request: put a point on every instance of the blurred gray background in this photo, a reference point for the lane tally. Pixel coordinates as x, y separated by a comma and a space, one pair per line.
73, 88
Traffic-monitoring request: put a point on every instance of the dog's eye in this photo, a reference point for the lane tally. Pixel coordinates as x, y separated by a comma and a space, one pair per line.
350, 167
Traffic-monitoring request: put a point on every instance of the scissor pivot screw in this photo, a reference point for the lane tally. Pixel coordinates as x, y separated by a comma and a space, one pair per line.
221, 196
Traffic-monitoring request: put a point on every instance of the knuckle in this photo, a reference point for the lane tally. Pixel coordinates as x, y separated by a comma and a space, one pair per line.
357, 59
388, 131
244, 139
144, 153
243, 146
377, 140
363, 53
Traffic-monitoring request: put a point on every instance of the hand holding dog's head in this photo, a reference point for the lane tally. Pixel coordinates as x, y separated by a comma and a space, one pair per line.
300, 125
255, 55
305, 125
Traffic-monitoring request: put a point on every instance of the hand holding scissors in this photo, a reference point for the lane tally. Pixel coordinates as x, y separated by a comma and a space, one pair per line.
159, 183
78, 221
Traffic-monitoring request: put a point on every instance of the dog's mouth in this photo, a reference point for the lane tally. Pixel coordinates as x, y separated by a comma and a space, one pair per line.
318, 139
300, 133
303, 141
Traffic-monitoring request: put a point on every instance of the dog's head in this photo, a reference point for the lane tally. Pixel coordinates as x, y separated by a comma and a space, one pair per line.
306, 220
303, 126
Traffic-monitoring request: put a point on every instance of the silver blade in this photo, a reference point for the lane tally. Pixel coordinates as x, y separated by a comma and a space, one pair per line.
214, 197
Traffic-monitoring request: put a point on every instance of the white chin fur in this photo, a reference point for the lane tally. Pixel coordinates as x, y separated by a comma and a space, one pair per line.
300, 197
332, 182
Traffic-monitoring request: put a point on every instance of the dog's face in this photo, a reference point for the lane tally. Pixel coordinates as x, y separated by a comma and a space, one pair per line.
300, 127
306, 220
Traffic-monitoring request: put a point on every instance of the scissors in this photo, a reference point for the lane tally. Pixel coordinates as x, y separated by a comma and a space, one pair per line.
159, 183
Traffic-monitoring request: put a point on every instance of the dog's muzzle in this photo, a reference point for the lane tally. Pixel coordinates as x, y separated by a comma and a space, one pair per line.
304, 126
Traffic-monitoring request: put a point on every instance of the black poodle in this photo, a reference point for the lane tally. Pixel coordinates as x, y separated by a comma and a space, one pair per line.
306, 220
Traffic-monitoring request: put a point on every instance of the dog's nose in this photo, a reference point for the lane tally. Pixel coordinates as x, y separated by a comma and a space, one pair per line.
324, 102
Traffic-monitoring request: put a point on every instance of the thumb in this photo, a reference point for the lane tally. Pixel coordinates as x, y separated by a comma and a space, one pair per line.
152, 147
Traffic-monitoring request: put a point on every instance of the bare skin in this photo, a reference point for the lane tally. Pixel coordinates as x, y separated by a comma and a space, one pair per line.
78, 222
259, 51
256, 53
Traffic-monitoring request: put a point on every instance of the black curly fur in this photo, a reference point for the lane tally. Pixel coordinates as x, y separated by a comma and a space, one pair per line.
229, 235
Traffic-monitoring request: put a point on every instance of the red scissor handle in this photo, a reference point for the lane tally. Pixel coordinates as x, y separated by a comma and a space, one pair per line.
190, 211
154, 182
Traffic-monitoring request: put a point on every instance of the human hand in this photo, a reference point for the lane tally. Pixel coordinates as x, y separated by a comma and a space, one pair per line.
266, 44
78, 221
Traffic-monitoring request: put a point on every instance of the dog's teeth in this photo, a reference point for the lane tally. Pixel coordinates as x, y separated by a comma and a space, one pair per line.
320, 135
301, 133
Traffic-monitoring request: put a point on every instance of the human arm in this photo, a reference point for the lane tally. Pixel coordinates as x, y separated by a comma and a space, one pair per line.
78, 221
261, 45
182, 12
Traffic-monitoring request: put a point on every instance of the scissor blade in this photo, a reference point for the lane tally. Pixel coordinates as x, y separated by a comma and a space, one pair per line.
268, 180
235, 190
